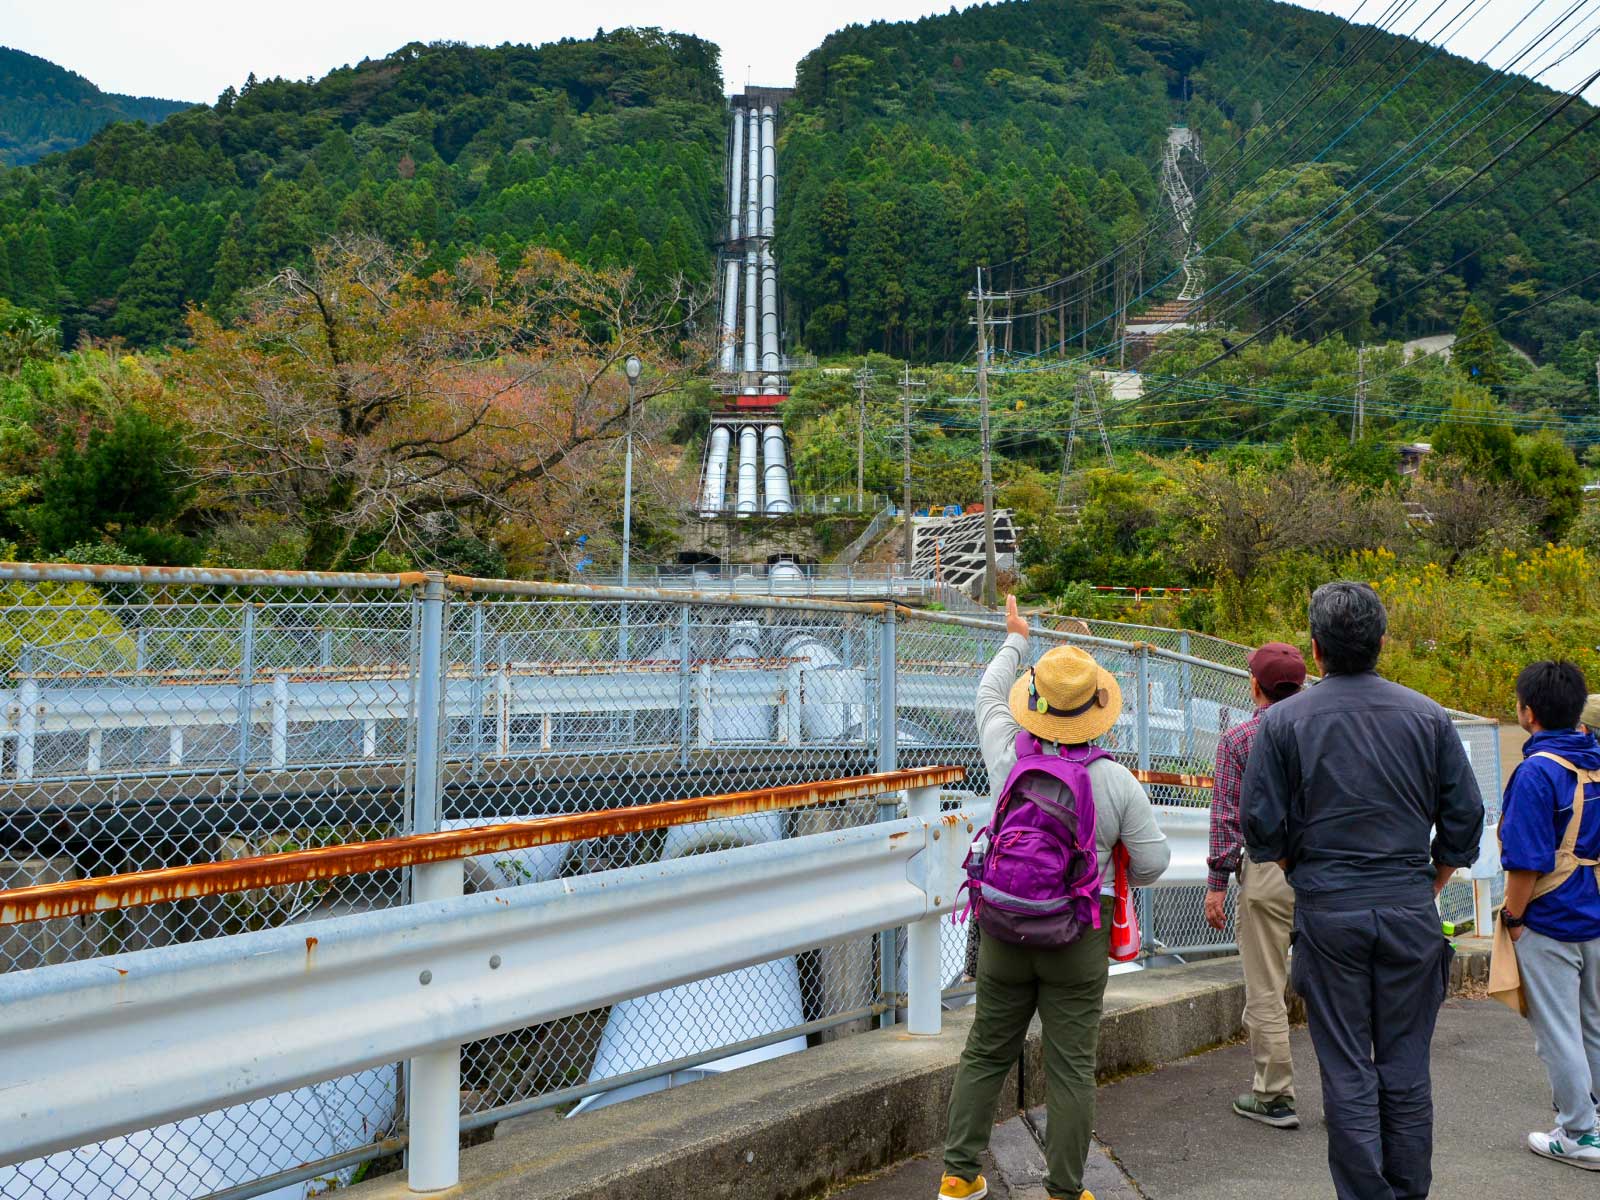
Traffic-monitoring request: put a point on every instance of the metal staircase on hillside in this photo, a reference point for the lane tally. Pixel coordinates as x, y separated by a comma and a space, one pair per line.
1181, 139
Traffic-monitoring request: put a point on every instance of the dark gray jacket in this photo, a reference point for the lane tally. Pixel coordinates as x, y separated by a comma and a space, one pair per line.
1363, 785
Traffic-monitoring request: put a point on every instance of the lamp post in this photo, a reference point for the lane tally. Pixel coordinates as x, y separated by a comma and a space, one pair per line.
632, 367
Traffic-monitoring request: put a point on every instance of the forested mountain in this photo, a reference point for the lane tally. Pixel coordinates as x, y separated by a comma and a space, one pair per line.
45, 108
608, 149
915, 151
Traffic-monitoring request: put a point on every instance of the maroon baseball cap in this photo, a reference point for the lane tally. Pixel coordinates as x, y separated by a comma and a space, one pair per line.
1279, 668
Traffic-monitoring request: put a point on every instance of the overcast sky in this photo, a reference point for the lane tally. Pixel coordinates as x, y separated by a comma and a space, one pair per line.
192, 49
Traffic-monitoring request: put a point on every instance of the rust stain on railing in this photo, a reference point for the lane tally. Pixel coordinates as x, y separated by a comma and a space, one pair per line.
163, 886
1173, 779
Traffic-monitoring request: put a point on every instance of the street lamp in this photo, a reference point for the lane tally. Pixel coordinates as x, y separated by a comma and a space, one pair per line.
631, 367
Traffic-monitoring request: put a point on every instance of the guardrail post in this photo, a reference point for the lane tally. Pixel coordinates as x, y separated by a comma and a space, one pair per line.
27, 717
280, 720
433, 1105
922, 939
888, 760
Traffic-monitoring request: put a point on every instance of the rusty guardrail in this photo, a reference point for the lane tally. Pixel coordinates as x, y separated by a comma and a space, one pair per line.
102, 893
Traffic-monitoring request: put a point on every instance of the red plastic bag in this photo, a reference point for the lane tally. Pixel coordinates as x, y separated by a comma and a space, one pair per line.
1125, 940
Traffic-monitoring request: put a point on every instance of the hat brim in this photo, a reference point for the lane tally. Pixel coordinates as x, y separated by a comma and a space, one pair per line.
1084, 727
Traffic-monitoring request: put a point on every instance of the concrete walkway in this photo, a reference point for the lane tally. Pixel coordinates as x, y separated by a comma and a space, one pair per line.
1170, 1134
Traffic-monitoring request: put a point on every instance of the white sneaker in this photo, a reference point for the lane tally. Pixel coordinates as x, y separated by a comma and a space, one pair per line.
1583, 1152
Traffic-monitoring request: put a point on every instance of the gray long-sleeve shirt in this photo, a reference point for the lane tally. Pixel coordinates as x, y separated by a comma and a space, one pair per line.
1121, 808
1363, 786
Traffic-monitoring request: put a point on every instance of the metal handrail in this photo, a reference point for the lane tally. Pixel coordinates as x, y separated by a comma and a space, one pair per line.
102, 893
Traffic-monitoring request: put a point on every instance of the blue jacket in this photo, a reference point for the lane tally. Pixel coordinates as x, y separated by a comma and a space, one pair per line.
1534, 818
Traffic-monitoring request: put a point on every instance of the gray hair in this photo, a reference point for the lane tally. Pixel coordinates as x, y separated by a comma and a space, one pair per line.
1348, 622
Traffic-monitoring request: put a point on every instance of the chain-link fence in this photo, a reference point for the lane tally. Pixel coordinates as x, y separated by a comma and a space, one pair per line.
159, 718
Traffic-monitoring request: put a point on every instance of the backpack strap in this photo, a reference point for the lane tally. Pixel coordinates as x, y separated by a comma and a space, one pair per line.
1027, 744
1567, 860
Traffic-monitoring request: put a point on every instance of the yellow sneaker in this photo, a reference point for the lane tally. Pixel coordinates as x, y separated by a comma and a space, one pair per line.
953, 1187
1084, 1195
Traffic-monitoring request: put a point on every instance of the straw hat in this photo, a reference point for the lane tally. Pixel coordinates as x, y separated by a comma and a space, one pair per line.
1066, 697
1591, 714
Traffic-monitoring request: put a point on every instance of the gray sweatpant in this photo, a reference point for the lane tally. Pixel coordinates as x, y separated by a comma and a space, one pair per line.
1562, 983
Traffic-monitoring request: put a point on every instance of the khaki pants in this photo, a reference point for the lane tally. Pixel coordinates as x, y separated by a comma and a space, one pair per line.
1266, 918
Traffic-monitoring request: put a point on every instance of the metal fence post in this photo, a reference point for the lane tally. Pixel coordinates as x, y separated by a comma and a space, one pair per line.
480, 689
685, 686
247, 678
433, 1108
922, 938
1186, 695
888, 760
1141, 717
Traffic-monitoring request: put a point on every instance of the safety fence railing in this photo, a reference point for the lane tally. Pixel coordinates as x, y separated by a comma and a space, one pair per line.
159, 718
96, 1051
833, 581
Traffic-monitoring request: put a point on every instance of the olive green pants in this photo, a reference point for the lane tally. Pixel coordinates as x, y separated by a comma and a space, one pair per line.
1067, 988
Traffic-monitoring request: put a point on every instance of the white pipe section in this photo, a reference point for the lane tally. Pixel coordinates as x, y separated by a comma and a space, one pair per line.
736, 175
769, 173
769, 310
748, 478
714, 487
753, 176
730, 314
776, 471
751, 291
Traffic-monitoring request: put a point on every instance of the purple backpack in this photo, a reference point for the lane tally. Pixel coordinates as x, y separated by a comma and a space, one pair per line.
1033, 874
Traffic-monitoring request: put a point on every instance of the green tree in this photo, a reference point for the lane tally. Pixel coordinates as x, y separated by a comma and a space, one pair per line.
228, 274
125, 484
1476, 352
150, 301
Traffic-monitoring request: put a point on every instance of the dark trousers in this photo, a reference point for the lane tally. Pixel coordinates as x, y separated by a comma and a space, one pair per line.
1373, 981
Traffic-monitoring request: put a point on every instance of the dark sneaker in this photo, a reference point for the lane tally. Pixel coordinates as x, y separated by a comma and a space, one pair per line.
1278, 1113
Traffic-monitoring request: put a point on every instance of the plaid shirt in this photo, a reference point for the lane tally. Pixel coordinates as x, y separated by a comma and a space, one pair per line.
1227, 842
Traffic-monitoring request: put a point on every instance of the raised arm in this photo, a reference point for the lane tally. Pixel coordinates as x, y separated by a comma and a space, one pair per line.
997, 728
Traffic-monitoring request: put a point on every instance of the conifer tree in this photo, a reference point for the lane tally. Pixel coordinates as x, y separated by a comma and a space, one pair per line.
34, 277
228, 274
150, 301
1477, 349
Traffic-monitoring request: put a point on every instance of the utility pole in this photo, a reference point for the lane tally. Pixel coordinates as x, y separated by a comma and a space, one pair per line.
990, 597
1360, 417
906, 384
863, 381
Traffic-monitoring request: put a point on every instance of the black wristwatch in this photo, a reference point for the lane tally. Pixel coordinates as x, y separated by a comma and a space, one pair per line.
1509, 921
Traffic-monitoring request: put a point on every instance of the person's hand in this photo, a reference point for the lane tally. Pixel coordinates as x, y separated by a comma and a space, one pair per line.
1014, 623
1217, 910
1516, 934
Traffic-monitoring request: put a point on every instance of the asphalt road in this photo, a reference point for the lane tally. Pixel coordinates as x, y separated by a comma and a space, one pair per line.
1171, 1135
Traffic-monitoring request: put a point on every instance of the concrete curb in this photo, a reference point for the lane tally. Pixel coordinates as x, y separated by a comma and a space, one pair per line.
793, 1127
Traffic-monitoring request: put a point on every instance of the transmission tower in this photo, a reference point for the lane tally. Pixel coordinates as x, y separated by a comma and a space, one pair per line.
1086, 409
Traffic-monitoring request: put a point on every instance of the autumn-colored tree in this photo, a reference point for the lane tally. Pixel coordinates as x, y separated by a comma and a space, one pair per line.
370, 404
